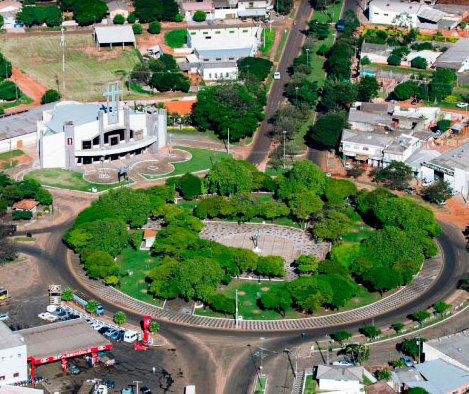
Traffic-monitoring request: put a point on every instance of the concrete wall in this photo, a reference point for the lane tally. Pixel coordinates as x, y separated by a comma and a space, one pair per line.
18, 142
13, 361
378, 15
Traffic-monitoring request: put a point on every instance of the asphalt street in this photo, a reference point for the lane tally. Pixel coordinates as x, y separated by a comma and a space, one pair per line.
264, 134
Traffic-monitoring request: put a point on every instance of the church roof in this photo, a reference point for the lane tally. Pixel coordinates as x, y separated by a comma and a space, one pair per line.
77, 113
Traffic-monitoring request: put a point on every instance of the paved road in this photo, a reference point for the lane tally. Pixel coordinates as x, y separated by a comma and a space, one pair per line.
263, 137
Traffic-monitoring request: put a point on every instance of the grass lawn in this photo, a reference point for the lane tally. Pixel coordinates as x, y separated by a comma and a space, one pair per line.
310, 385
139, 262
283, 40
6, 165
260, 385
359, 231
273, 172
330, 14
14, 153
87, 70
202, 159
175, 38
386, 67
269, 39
66, 179
249, 291
23, 99
24, 239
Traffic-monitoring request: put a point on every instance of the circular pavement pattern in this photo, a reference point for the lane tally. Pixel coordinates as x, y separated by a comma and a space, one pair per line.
104, 176
162, 165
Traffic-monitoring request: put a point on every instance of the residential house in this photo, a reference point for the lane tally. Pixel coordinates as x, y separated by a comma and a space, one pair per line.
430, 56
380, 387
377, 53
225, 9
456, 58
451, 348
340, 378
388, 80
452, 166
401, 375
418, 157
8, 10
117, 7
440, 377
411, 14
149, 236
26, 205
216, 71
188, 9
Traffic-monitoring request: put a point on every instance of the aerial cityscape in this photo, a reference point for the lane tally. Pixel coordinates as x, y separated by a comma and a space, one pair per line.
234, 197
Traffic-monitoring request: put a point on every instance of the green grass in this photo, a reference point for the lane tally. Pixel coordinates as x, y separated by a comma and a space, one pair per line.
328, 15
14, 153
87, 70
24, 239
23, 99
358, 232
140, 262
310, 385
6, 166
175, 38
187, 204
66, 179
202, 159
283, 40
363, 297
269, 39
273, 172
260, 385
366, 381
317, 62
386, 67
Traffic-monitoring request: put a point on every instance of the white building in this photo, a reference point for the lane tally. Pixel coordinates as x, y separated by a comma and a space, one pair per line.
13, 357
408, 14
456, 57
75, 133
430, 56
8, 10
340, 378
452, 166
450, 349
218, 71
225, 38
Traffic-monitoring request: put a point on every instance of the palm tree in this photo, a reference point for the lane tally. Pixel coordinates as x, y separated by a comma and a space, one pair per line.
358, 352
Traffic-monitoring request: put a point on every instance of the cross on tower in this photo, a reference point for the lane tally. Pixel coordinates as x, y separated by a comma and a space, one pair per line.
113, 110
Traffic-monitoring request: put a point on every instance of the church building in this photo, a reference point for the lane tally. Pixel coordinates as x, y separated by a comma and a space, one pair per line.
73, 134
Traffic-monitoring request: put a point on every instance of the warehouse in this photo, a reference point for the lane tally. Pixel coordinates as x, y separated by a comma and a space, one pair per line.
117, 35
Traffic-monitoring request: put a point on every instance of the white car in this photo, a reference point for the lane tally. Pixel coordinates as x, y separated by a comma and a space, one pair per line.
277, 75
347, 164
427, 183
462, 105
454, 192
3, 316
441, 202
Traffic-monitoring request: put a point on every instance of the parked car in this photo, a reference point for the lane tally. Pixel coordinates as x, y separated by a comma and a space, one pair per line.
454, 192
347, 164
340, 25
3, 316
109, 383
343, 362
145, 390
426, 183
441, 202
110, 332
276, 75
73, 369
29, 235
462, 105
328, 174
414, 102
115, 334
410, 190
103, 330
407, 362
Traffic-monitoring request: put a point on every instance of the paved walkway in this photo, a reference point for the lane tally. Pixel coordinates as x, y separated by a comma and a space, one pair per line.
421, 282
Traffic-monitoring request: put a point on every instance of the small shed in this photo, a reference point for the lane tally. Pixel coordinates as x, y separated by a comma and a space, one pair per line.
26, 205
109, 35
149, 236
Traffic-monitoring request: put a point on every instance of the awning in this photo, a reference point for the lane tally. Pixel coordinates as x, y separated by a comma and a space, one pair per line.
361, 157
243, 13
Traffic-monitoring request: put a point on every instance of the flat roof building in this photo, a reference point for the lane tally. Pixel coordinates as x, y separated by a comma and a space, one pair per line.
451, 348
13, 357
456, 57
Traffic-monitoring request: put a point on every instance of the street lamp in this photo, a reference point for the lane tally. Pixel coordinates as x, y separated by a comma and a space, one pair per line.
296, 94
307, 57
284, 134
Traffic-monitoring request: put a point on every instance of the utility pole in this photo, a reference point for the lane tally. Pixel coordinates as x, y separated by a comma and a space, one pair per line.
228, 140
62, 44
236, 312
16, 90
262, 360
284, 134
418, 344
307, 56
10, 153
136, 384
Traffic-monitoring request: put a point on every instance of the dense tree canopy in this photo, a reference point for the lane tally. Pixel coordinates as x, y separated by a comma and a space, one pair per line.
254, 66
327, 130
32, 15
87, 12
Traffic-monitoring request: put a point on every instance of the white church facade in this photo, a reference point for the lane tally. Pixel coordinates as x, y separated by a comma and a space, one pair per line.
73, 134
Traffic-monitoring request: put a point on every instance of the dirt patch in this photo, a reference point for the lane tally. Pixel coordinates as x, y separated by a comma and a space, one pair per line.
29, 86
356, 300
256, 311
247, 303
143, 291
265, 288
141, 281
148, 260
241, 293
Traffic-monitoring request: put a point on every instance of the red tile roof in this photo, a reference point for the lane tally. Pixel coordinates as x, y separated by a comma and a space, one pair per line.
149, 233
181, 107
25, 205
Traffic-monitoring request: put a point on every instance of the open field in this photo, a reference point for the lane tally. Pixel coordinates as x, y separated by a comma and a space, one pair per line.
86, 70
66, 179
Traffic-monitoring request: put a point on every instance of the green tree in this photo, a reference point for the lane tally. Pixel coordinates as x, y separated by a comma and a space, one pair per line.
199, 16
119, 318
118, 19
137, 28
397, 363
405, 90
384, 374
364, 61
5, 67
444, 75
439, 190
221, 303
420, 316
43, 197
370, 331
441, 307
443, 125
345, 253
382, 279
341, 336
278, 299
67, 294
50, 96
337, 95
229, 176
283, 7
91, 306
327, 130
190, 186
307, 263
304, 205
270, 266
1, 21
320, 30
331, 225
154, 327
154, 27
398, 327
131, 18
359, 353
419, 62
108, 235
417, 390
245, 259
395, 176
410, 347
148, 10
254, 66
7, 250
100, 264
303, 177
337, 190
112, 280
164, 82
9, 91
87, 12
302, 91
368, 88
